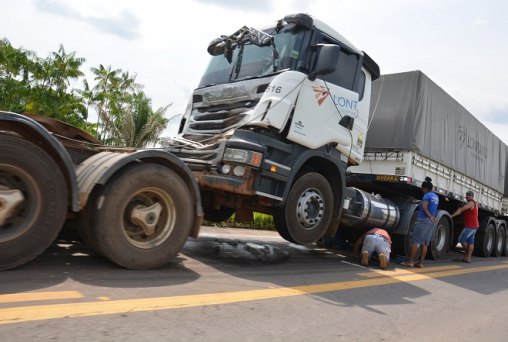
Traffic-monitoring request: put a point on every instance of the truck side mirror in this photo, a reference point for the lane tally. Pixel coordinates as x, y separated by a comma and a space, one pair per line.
327, 60
216, 46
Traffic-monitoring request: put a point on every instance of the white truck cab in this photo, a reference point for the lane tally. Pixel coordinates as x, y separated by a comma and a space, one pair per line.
277, 118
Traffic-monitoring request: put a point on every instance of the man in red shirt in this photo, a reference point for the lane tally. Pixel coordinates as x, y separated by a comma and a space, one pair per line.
471, 225
374, 240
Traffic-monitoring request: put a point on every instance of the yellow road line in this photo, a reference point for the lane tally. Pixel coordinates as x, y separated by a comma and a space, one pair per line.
403, 271
42, 312
30, 296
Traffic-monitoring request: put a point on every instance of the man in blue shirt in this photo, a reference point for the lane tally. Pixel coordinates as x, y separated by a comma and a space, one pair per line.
425, 224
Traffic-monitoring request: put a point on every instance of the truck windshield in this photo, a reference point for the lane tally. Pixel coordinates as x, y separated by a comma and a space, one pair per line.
257, 61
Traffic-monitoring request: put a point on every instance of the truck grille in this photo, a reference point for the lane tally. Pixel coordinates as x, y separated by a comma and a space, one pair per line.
197, 156
219, 119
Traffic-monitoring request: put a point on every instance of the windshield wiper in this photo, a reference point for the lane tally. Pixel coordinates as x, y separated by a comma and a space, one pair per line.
238, 64
275, 55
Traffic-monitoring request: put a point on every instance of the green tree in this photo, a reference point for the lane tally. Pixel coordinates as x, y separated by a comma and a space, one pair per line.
141, 125
15, 66
125, 116
41, 85
106, 99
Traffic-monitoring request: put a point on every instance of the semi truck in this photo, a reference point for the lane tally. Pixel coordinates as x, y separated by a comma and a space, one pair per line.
296, 122
285, 121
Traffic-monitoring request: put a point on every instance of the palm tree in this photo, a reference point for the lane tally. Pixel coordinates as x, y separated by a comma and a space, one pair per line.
105, 94
140, 126
63, 67
29, 83
149, 127
15, 68
50, 94
125, 115
32, 84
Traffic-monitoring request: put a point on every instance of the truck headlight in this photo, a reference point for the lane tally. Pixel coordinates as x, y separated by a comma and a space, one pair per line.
225, 169
239, 171
242, 156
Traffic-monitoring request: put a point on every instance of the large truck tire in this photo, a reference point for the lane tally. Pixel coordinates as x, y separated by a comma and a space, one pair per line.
123, 237
505, 244
484, 239
308, 211
279, 222
440, 239
401, 244
499, 241
86, 220
36, 220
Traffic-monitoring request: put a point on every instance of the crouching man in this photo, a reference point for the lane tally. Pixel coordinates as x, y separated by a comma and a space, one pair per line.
375, 240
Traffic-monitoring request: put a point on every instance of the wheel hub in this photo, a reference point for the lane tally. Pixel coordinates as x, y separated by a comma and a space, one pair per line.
147, 217
310, 209
9, 200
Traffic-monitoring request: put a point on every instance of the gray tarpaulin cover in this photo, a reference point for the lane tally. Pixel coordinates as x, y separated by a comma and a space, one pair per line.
414, 113
506, 176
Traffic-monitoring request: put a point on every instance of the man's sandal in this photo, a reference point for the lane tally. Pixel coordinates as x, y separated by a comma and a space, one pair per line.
462, 260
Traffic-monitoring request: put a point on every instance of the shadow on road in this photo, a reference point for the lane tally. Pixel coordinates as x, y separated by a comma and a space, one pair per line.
70, 259
262, 261
307, 265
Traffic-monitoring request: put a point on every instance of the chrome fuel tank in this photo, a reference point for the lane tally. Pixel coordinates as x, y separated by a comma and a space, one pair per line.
364, 210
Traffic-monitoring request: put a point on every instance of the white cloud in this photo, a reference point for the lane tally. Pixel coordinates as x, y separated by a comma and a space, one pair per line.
125, 24
458, 44
480, 22
260, 5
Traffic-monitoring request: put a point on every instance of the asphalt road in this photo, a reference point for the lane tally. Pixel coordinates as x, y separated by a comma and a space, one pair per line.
241, 285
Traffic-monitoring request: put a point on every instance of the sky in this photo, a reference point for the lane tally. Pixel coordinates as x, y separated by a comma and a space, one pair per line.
462, 45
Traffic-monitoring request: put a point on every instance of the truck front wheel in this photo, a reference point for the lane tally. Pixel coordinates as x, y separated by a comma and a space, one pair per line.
33, 201
308, 210
143, 217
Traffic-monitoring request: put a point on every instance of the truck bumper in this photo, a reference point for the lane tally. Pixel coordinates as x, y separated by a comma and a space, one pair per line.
232, 184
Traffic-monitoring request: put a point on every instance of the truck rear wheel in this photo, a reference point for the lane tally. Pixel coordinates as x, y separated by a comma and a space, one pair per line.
440, 239
308, 209
484, 240
33, 223
499, 241
85, 223
143, 217
505, 243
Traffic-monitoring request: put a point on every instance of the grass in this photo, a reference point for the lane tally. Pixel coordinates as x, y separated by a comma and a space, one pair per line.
261, 222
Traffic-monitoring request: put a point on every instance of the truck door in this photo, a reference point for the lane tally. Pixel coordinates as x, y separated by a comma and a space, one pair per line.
327, 106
